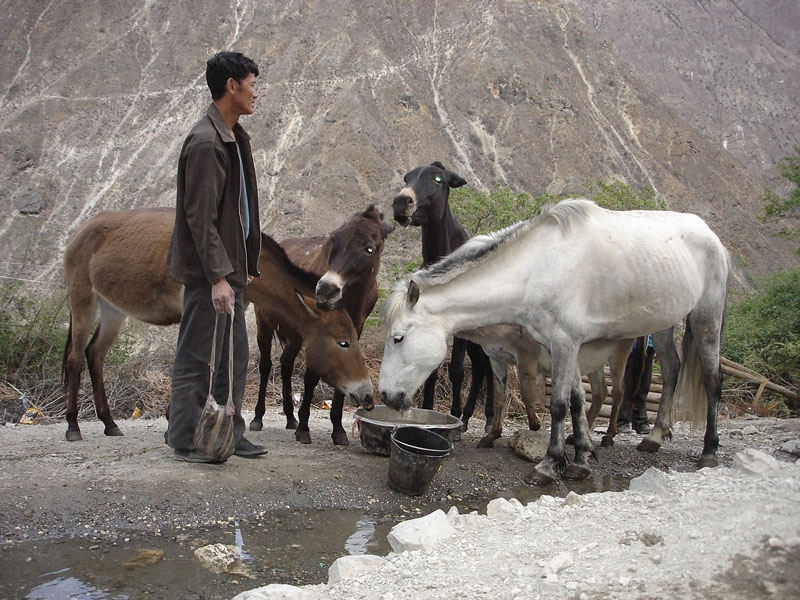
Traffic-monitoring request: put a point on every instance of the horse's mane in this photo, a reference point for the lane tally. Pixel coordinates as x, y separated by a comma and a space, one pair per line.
478, 248
276, 253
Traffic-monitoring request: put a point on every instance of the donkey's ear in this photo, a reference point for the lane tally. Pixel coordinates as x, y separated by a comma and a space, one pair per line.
308, 304
412, 295
454, 180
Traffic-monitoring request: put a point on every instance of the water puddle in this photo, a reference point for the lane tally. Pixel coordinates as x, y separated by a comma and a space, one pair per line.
295, 548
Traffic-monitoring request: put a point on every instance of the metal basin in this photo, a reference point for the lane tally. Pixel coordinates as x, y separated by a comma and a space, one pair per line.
375, 426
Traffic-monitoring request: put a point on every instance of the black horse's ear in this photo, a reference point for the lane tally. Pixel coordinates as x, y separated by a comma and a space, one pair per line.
454, 180
413, 294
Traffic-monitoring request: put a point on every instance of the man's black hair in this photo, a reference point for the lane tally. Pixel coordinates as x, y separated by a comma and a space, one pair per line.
223, 65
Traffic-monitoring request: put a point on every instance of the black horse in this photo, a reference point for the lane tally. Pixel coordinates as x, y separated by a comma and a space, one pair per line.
424, 202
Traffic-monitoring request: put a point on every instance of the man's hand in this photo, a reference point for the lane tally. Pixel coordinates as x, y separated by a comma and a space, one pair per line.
222, 296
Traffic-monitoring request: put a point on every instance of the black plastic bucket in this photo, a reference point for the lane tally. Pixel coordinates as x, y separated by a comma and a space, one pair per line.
415, 458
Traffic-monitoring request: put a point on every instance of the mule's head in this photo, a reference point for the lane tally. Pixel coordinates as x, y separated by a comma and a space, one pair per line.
424, 196
333, 353
415, 346
355, 253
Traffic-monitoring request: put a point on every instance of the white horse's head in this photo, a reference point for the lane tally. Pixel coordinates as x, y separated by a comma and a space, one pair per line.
416, 344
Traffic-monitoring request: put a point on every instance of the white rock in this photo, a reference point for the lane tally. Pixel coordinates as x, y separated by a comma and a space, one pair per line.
347, 567
282, 591
501, 509
652, 481
216, 557
420, 534
573, 499
558, 563
755, 462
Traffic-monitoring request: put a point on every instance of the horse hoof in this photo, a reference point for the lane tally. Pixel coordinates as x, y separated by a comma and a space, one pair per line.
113, 431
340, 439
707, 461
291, 424
535, 427
304, 437
256, 425
485, 442
74, 435
537, 477
570, 441
607, 442
648, 446
575, 472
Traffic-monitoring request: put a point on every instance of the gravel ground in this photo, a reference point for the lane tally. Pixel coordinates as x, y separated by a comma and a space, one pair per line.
718, 533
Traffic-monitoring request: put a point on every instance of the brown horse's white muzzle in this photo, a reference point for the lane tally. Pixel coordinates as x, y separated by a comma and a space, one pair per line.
329, 291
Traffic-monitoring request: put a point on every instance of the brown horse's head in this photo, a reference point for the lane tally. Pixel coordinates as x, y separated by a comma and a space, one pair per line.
355, 255
334, 354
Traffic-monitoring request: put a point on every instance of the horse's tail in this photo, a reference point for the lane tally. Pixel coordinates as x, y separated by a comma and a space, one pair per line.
689, 389
67, 349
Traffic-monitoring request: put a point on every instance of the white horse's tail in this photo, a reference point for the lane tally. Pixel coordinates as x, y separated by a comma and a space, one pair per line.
690, 393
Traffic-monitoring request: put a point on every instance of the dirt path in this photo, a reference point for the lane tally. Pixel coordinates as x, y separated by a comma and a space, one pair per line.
104, 487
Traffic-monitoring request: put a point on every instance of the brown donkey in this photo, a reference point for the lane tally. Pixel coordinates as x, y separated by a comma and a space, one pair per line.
116, 265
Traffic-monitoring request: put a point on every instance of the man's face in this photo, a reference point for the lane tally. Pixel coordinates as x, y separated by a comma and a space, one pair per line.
245, 94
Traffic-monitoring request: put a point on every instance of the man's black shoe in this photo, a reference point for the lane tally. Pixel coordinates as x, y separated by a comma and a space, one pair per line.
642, 428
248, 449
195, 456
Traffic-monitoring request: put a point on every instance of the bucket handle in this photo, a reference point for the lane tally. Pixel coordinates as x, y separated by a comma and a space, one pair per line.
355, 431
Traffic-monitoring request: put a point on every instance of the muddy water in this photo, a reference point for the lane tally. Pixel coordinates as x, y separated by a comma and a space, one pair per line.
294, 548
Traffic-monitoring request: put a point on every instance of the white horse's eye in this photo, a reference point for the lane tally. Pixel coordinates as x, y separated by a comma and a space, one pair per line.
398, 338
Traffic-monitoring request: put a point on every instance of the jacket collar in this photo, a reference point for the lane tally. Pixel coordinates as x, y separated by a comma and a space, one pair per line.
222, 127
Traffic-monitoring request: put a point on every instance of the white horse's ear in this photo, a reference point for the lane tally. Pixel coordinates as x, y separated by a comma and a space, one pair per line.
413, 294
308, 304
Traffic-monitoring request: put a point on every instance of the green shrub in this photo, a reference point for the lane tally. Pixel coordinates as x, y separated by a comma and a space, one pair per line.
762, 330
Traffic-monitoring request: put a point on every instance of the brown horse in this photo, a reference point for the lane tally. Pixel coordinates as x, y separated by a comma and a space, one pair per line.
347, 263
116, 264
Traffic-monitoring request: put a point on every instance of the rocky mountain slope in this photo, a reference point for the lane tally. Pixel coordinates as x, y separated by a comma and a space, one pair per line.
697, 100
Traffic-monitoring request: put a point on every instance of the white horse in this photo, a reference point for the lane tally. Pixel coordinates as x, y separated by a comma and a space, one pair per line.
577, 275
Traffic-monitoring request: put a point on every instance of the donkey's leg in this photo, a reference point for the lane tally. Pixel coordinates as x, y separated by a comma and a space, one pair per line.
597, 383
111, 321
310, 381
531, 383
455, 371
264, 335
617, 368
705, 338
339, 436
500, 385
664, 345
290, 352
82, 313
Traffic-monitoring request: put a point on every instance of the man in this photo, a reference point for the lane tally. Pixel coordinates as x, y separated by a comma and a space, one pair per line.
214, 253
638, 373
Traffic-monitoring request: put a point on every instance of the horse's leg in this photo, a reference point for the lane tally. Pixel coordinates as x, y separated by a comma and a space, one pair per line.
597, 383
290, 352
339, 436
584, 449
108, 329
429, 389
564, 377
310, 381
264, 335
531, 382
455, 371
664, 345
479, 362
500, 385
617, 367
704, 342
488, 408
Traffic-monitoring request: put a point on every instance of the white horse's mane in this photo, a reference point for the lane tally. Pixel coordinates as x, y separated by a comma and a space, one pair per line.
478, 248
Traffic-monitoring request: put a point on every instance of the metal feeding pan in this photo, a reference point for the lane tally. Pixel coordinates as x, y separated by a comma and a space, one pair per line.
374, 427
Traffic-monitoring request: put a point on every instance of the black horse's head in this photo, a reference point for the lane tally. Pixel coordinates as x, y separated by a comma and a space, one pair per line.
424, 196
